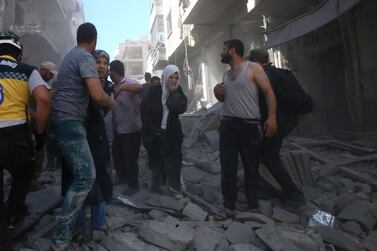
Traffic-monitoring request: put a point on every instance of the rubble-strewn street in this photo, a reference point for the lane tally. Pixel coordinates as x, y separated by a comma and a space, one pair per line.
336, 177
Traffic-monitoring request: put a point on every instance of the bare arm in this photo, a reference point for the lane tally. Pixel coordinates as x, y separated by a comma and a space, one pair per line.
42, 97
97, 93
261, 79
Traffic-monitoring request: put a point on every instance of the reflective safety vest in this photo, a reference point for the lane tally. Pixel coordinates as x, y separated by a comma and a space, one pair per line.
14, 89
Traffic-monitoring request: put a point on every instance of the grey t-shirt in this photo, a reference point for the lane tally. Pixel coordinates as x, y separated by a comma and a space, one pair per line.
72, 96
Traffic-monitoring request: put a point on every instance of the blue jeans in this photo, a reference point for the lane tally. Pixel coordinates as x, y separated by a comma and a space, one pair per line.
97, 215
73, 145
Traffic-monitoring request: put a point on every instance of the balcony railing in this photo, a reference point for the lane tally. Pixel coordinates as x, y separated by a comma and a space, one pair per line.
158, 56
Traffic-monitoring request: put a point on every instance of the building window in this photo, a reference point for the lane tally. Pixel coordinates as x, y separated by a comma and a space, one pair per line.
134, 52
169, 23
135, 68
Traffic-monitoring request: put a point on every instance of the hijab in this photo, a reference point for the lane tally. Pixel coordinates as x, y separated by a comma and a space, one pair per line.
169, 70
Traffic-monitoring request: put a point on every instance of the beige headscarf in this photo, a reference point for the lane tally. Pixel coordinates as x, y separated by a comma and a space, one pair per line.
169, 70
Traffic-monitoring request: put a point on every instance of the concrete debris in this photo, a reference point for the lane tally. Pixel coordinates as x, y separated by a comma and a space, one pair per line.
353, 228
151, 221
339, 238
285, 216
240, 233
359, 211
171, 203
302, 240
213, 139
194, 212
274, 239
206, 239
243, 247
129, 241
260, 218
167, 236
193, 174
42, 244
370, 242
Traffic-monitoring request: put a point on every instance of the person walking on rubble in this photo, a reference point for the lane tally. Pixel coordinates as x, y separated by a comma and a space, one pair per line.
240, 126
17, 82
162, 131
127, 126
287, 121
77, 81
102, 190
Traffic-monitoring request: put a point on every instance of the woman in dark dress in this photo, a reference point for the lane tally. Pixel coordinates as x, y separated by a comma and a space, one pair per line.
161, 130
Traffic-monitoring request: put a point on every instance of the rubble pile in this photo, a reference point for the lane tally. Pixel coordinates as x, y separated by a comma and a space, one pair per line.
340, 212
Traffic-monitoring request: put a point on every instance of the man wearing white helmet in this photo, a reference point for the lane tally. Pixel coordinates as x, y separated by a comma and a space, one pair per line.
18, 82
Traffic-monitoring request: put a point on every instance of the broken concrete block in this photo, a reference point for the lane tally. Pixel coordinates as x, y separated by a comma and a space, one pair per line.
109, 243
171, 220
171, 203
243, 247
167, 236
130, 242
209, 194
42, 244
300, 239
339, 238
98, 235
346, 199
194, 212
370, 243
274, 239
353, 227
285, 216
193, 174
193, 188
358, 211
157, 215
240, 233
213, 138
115, 222
96, 247
206, 239
254, 217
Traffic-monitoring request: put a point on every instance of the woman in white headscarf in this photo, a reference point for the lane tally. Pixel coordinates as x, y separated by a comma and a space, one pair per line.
162, 131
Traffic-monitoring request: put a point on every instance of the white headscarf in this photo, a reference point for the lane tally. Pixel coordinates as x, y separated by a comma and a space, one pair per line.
169, 70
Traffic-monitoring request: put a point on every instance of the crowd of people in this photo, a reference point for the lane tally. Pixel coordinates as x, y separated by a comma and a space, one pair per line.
67, 112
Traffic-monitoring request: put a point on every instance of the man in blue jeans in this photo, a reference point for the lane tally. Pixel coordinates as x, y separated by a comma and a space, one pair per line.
78, 79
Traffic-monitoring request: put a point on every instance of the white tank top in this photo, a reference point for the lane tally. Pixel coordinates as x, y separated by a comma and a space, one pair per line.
241, 96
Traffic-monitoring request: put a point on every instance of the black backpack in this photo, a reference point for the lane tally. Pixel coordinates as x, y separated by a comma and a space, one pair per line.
292, 99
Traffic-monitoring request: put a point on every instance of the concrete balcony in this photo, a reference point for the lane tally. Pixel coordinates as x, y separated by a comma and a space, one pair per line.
207, 12
158, 57
38, 44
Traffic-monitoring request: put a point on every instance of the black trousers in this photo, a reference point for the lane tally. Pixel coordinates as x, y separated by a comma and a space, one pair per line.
126, 149
165, 162
270, 152
238, 136
16, 156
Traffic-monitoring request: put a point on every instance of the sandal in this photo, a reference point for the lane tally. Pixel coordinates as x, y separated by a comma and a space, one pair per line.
224, 215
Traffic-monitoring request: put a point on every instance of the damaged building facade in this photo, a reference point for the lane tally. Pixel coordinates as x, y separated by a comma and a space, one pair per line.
47, 28
134, 53
329, 45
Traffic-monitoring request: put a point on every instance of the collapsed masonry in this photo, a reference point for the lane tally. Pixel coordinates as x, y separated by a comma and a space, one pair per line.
337, 178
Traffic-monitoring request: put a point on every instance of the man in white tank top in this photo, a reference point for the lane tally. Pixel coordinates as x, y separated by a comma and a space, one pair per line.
240, 127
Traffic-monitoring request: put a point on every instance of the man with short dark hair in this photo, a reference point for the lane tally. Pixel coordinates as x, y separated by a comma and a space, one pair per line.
17, 82
287, 121
148, 77
78, 79
127, 126
240, 127
155, 80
